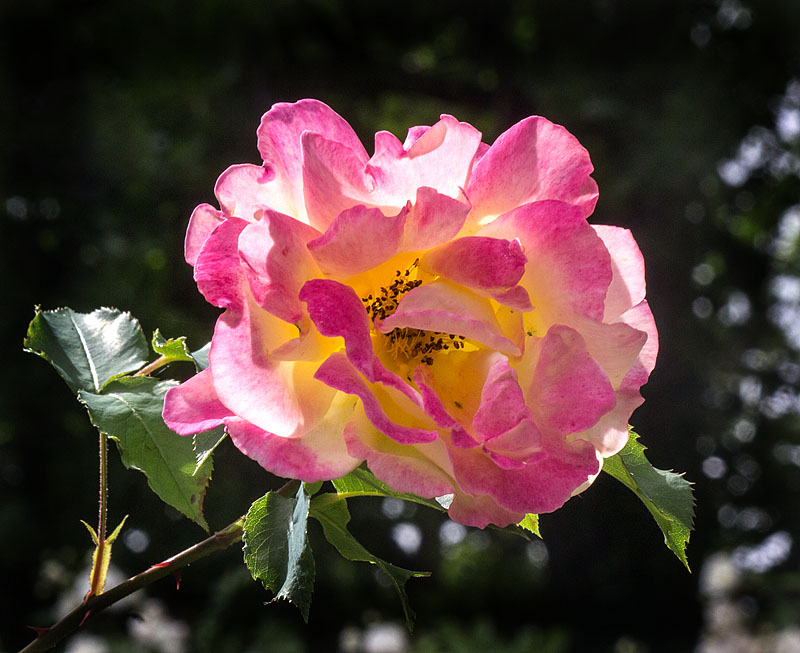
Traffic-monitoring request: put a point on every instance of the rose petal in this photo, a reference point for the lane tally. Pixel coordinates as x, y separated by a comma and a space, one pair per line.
569, 392
532, 161
478, 262
321, 454
444, 307
277, 263
205, 218
440, 157
280, 142
336, 310
568, 268
245, 189
434, 219
217, 270
419, 469
278, 396
337, 372
341, 250
193, 406
334, 179
627, 285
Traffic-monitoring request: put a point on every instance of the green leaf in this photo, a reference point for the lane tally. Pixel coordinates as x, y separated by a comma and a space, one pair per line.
667, 495
87, 349
200, 357
129, 411
331, 511
204, 445
363, 483
276, 547
531, 523
175, 348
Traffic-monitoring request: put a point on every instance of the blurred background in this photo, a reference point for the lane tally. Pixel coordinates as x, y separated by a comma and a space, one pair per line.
117, 117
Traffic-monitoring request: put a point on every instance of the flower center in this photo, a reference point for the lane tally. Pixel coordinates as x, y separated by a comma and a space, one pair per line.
404, 343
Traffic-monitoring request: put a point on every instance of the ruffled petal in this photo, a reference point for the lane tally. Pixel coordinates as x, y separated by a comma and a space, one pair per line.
440, 157
337, 372
319, 455
540, 486
433, 219
334, 179
419, 469
568, 268
628, 286
277, 263
205, 218
532, 161
245, 189
569, 392
478, 262
341, 250
447, 308
480, 510
218, 270
278, 396
193, 406
280, 142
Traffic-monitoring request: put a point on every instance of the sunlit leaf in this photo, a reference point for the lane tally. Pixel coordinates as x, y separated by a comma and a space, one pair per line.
129, 411
276, 547
331, 511
667, 495
173, 348
531, 523
204, 445
87, 349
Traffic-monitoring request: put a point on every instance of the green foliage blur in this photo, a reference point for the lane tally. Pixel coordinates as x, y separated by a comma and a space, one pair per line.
117, 117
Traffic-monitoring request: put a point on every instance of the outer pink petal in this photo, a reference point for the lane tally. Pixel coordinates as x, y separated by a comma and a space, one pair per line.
218, 270
278, 396
320, 455
569, 392
280, 135
417, 469
444, 307
540, 486
434, 219
358, 239
337, 372
193, 406
627, 263
534, 160
480, 511
610, 434
569, 267
478, 262
245, 189
277, 263
334, 179
205, 218
440, 157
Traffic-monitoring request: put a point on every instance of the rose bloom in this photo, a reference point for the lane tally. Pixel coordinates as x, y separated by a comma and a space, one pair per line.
441, 310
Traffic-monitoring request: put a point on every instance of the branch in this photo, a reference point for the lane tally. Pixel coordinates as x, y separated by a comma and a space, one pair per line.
94, 604
49, 637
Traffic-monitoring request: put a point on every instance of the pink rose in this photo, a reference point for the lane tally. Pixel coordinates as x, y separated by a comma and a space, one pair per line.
442, 310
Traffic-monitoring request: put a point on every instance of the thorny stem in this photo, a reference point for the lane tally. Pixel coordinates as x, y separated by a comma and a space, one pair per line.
98, 577
217, 542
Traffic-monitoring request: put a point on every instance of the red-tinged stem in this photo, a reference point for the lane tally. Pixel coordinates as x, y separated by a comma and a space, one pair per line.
217, 542
94, 604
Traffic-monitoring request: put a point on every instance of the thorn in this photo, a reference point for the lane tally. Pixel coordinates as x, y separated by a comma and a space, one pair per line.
177, 575
161, 564
39, 631
85, 617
